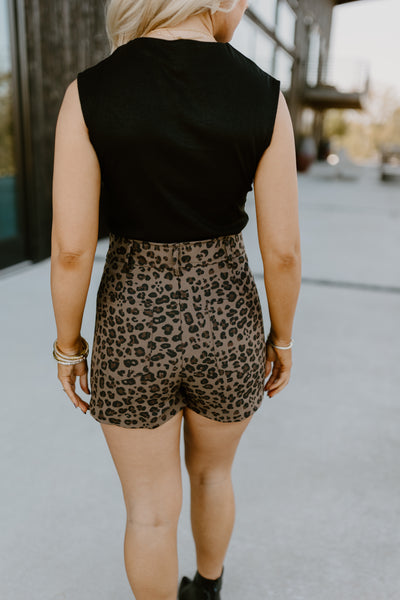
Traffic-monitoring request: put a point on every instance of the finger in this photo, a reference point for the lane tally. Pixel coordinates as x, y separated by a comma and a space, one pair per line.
283, 376
277, 390
75, 399
84, 383
85, 406
279, 387
282, 380
68, 382
268, 366
274, 375
71, 393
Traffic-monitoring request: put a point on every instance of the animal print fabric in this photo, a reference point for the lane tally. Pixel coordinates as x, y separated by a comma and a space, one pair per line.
177, 324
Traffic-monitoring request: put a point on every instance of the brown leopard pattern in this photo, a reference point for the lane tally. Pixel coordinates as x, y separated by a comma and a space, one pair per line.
168, 336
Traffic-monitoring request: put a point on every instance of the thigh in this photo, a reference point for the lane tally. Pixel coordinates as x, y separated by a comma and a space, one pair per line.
149, 467
224, 366
134, 378
210, 445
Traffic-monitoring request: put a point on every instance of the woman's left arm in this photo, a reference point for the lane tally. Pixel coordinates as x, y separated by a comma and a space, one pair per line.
74, 234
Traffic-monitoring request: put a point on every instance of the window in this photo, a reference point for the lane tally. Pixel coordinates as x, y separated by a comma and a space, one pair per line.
8, 200
254, 43
243, 39
283, 69
265, 10
264, 51
313, 56
286, 24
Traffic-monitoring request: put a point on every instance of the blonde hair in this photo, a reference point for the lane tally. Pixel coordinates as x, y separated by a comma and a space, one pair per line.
128, 19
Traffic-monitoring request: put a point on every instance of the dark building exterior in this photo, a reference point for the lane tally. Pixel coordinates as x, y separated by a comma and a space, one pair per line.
290, 39
45, 43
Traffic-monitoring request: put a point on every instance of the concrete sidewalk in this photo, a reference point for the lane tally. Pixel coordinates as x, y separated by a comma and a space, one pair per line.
317, 474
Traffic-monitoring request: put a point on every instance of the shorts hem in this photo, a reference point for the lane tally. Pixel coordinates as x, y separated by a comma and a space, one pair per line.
138, 425
254, 408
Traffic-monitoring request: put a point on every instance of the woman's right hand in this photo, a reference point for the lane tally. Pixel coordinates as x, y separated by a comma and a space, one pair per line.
282, 364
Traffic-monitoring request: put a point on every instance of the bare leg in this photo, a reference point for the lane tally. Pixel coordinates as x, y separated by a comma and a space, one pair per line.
149, 468
210, 448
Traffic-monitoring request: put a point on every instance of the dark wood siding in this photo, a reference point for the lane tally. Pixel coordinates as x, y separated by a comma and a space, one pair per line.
59, 38
62, 38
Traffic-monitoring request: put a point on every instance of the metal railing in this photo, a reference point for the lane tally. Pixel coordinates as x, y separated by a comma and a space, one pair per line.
346, 75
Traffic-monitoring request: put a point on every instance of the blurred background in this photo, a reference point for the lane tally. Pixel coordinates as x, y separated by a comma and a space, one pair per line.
318, 475
336, 60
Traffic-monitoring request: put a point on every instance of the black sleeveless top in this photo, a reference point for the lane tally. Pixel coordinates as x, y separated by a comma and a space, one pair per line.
178, 127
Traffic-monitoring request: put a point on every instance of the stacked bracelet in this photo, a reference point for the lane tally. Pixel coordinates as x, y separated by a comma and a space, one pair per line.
65, 359
282, 347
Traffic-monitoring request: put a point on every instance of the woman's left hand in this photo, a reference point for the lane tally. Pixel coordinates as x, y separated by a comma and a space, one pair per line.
67, 375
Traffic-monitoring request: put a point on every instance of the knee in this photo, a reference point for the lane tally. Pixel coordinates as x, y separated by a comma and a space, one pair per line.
151, 520
207, 472
208, 476
148, 518
154, 515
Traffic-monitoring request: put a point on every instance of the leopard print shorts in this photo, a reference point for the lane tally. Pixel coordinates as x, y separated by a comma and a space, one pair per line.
177, 324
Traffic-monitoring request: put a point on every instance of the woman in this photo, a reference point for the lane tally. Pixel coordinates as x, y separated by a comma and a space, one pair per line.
178, 124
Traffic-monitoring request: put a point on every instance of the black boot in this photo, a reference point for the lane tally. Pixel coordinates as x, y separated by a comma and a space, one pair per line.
200, 588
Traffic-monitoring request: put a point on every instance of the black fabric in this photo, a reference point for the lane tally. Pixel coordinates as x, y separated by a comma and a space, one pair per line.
200, 588
179, 127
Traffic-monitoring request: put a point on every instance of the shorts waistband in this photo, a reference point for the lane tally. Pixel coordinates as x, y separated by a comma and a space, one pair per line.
175, 254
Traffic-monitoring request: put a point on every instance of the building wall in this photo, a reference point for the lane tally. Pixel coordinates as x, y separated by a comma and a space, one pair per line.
61, 39
52, 41
294, 55
267, 35
313, 29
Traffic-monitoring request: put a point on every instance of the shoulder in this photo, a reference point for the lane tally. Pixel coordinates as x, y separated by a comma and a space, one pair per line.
90, 80
253, 69
92, 72
70, 100
82, 94
85, 91
70, 116
283, 118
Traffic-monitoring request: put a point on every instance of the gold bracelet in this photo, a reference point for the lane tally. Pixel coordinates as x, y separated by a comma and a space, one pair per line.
83, 354
68, 359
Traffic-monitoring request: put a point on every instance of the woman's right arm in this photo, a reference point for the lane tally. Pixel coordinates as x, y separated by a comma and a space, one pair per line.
276, 201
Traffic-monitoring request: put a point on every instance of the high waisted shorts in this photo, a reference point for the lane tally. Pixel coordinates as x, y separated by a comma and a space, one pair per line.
177, 324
